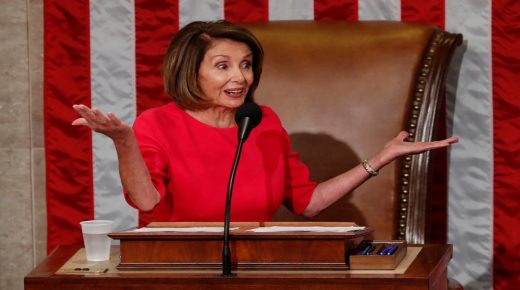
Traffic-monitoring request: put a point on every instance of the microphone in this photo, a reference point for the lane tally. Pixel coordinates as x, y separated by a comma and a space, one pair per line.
247, 117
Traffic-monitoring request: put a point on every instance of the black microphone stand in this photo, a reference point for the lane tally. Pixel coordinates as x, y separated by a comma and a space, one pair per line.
226, 252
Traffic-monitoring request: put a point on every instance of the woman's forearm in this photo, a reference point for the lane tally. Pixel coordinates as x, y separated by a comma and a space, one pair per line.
134, 174
328, 192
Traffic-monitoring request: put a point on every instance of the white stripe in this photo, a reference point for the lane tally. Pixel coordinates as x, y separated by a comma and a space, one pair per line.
200, 10
470, 206
379, 10
291, 9
113, 90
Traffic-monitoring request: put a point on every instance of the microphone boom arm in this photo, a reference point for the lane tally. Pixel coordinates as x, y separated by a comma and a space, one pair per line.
226, 252
247, 117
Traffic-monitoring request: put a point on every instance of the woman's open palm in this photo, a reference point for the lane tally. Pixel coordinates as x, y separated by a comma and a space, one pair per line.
399, 147
108, 124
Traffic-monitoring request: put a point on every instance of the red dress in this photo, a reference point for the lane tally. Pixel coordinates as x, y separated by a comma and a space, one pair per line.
190, 163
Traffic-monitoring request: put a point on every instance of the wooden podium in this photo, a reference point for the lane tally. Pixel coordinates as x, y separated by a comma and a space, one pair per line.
275, 261
293, 250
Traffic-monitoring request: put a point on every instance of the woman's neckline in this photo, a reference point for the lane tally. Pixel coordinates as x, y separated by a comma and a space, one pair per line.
197, 119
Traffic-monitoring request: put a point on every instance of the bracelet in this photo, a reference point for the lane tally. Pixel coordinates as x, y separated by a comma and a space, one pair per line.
369, 168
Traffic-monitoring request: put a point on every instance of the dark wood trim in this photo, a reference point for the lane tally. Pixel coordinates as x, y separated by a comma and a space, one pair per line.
414, 194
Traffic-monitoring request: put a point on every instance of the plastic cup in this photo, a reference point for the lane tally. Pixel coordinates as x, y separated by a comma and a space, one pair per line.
97, 242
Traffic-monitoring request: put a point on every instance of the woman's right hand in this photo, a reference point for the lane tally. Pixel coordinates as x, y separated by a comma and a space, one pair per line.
108, 125
134, 174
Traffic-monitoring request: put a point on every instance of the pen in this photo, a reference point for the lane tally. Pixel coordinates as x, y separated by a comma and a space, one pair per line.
389, 250
363, 247
383, 250
392, 250
367, 250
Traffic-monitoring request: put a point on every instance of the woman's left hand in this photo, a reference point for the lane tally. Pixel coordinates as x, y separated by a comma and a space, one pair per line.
398, 146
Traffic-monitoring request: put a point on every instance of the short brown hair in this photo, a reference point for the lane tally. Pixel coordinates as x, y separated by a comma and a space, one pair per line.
186, 52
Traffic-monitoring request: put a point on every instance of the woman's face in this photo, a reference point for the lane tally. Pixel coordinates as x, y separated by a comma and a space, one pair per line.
226, 72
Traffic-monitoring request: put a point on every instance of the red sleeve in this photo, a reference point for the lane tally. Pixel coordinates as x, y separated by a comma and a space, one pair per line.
298, 186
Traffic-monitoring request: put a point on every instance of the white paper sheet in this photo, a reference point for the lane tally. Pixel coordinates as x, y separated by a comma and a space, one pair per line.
317, 229
182, 230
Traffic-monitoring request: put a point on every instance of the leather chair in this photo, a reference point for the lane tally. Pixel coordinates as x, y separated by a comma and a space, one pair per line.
342, 90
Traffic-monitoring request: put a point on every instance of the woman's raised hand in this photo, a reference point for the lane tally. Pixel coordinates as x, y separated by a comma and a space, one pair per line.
108, 125
134, 174
399, 147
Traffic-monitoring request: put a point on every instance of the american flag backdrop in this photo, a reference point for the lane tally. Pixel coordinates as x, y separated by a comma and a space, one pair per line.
108, 54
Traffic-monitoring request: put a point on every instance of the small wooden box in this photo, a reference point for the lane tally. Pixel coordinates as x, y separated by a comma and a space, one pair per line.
374, 261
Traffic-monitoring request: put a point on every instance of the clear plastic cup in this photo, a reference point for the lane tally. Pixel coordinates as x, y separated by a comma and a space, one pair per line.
97, 242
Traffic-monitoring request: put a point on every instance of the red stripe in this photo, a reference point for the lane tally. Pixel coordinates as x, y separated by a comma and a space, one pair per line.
336, 10
155, 23
506, 136
424, 11
68, 149
246, 11
432, 12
